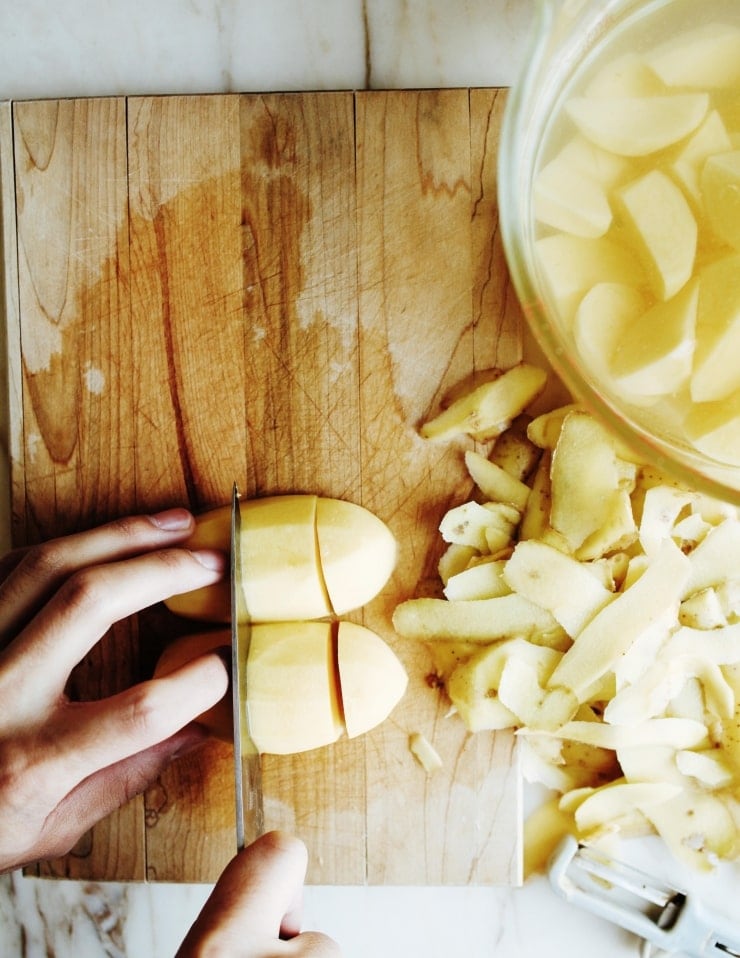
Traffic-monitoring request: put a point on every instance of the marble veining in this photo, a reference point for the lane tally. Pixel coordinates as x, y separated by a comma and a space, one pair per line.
112, 47
207, 46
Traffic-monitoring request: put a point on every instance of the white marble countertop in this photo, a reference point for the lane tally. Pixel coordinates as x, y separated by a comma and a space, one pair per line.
92, 47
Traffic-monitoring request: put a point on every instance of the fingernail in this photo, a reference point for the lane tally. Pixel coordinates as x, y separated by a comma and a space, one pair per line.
211, 559
224, 653
172, 520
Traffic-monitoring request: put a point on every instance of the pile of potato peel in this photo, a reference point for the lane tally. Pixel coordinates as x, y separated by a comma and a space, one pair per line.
593, 605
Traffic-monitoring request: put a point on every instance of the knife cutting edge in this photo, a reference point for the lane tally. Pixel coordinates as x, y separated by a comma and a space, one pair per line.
247, 762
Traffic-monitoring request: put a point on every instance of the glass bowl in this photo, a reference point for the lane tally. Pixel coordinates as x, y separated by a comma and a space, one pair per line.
568, 38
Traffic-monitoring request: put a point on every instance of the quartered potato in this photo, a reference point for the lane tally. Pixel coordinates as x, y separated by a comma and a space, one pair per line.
308, 684
638, 234
304, 557
664, 229
637, 125
704, 58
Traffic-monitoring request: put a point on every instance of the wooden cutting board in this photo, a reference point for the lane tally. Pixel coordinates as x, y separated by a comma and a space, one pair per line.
276, 289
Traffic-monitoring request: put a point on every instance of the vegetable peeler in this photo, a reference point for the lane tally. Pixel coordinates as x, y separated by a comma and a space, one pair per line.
664, 917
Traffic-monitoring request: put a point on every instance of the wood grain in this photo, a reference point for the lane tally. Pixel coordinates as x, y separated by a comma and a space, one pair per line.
278, 289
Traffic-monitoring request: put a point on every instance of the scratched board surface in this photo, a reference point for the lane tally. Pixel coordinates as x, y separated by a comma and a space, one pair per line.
275, 289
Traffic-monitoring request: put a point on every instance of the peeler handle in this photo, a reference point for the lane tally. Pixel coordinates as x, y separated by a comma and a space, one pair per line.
723, 934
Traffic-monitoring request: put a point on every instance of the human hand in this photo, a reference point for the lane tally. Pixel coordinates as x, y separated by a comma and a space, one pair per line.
255, 909
64, 765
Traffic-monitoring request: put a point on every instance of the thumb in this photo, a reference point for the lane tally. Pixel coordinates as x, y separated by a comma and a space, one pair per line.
256, 903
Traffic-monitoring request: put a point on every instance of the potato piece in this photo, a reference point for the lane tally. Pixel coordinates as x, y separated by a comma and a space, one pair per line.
572, 265
720, 189
293, 700
567, 200
293, 695
494, 482
609, 635
557, 583
474, 620
664, 229
488, 410
626, 75
711, 137
357, 553
637, 125
293, 549
704, 58
716, 374
371, 678
280, 557
424, 752
604, 315
654, 354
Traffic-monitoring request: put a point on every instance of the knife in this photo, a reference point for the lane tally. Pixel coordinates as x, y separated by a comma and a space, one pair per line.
247, 762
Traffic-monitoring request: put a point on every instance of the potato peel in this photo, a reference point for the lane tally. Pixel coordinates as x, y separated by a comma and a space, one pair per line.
619, 665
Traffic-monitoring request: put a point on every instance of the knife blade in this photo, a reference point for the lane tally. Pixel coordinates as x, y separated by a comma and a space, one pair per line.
247, 761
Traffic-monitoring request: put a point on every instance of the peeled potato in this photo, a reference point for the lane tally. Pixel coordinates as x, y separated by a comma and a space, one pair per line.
292, 694
371, 678
716, 371
711, 137
637, 125
604, 314
628, 75
703, 58
303, 558
567, 200
720, 191
307, 683
573, 265
664, 228
654, 353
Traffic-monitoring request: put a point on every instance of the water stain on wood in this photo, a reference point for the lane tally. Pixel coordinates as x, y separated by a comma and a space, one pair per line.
272, 288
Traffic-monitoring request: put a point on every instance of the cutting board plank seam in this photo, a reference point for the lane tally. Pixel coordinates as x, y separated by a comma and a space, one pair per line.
334, 250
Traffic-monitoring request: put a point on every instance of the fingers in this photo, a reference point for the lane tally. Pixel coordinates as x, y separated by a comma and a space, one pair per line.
91, 736
110, 788
255, 903
89, 603
30, 576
